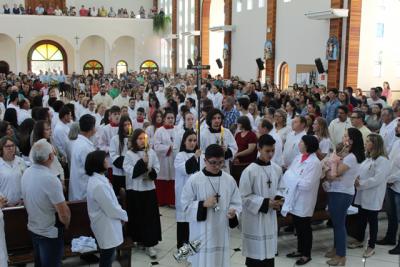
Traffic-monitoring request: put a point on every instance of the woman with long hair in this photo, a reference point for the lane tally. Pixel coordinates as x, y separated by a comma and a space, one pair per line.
281, 127
341, 192
371, 189
321, 131
141, 167
118, 149
155, 123
387, 92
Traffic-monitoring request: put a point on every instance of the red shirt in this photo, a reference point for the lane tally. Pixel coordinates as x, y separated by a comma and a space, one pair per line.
243, 144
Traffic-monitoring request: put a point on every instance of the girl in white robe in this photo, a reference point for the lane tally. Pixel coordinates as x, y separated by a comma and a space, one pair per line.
259, 185
141, 167
156, 123
163, 146
186, 163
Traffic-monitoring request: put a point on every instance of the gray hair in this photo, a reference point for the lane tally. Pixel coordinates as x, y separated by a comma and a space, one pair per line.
41, 151
74, 131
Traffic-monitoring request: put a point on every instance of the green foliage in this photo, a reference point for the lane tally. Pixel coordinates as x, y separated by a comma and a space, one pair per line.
161, 23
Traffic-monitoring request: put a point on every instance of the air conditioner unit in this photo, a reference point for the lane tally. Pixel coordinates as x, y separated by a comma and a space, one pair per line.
223, 28
191, 33
333, 13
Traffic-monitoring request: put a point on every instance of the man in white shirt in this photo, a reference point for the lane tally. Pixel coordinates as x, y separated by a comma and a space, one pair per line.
61, 130
102, 97
265, 127
291, 148
216, 97
387, 131
357, 120
374, 98
13, 101
24, 111
339, 126
122, 99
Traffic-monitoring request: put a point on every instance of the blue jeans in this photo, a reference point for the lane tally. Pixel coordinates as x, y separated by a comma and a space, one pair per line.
48, 252
393, 214
106, 257
338, 203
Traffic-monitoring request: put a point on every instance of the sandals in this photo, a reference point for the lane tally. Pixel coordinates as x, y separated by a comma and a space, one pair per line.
294, 255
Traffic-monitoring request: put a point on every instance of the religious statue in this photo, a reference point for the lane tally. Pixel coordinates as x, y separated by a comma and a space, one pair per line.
268, 53
332, 48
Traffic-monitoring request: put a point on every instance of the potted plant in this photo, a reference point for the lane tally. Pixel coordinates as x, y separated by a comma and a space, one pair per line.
161, 22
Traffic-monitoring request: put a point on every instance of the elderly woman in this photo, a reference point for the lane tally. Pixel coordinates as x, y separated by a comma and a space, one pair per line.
371, 189
11, 169
302, 182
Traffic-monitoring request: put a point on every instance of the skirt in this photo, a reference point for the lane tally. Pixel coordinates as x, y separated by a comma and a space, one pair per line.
165, 192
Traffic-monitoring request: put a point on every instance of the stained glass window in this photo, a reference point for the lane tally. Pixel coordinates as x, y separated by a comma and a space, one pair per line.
46, 57
149, 65
122, 67
92, 67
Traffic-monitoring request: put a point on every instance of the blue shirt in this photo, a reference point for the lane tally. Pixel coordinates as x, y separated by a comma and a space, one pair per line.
331, 110
230, 117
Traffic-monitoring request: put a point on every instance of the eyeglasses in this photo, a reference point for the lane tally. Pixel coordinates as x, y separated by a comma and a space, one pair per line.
353, 117
216, 162
9, 146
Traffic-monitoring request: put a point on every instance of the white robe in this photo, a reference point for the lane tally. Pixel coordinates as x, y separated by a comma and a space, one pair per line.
388, 134
207, 138
78, 178
163, 140
291, 147
116, 153
213, 233
259, 230
105, 136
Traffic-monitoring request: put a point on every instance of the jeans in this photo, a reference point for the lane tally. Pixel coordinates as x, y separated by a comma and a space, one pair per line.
48, 252
338, 203
368, 217
304, 235
393, 214
107, 257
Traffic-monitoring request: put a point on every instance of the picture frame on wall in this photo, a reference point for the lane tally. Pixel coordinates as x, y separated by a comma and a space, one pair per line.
332, 48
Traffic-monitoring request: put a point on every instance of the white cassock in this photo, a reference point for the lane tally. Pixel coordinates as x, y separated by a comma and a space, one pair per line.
388, 134
216, 99
258, 184
394, 176
78, 178
105, 136
138, 125
291, 147
207, 138
151, 131
163, 142
207, 225
185, 165
3, 246
179, 131
60, 137
278, 157
115, 153
132, 113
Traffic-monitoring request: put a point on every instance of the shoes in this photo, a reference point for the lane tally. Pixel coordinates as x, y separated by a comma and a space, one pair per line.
395, 251
355, 244
368, 252
331, 253
289, 229
385, 242
303, 261
294, 255
151, 252
337, 261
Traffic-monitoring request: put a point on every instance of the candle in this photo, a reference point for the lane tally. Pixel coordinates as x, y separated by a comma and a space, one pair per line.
222, 134
146, 142
197, 125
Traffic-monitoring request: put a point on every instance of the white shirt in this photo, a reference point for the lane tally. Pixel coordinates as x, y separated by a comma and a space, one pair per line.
10, 179
388, 134
291, 147
121, 101
60, 137
337, 130
394, 157
216, 99
163, 142
116, 152
370, 102
78, 178
345, 183
105, 213
373, 178
23, 114
103, 99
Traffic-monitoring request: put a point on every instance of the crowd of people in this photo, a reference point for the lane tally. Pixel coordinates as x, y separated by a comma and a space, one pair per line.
83, 11
138, 133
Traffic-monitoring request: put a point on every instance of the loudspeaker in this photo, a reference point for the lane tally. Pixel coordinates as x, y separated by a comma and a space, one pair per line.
260, 63
319, 65
190, 64
219, 63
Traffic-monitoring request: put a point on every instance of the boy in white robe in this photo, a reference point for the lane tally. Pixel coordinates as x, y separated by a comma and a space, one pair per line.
110, 130
211, 201
259, 184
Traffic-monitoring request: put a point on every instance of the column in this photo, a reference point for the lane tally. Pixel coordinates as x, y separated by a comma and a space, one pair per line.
271, 36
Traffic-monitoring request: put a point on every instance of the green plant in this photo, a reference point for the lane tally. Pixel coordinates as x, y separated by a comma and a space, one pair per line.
161, 22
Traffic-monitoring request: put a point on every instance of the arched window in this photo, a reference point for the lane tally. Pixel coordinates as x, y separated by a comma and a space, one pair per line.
47, 56
92, 67
149, 65
122, 67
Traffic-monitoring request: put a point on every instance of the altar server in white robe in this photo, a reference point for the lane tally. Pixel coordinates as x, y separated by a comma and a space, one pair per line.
139, 121
110, 130
105, 213
214, 133
156, 123
141, 167
266, 127
259, 184
212, 202
188, 124
301, 182
79, 150
291, 147
118, 148
163, 146
186, 163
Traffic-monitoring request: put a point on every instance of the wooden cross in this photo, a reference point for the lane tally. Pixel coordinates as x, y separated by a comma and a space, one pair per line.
269, 183
76, 39
19, 37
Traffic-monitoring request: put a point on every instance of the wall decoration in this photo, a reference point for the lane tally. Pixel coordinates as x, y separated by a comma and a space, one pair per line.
332, 48
225, 53
268, 52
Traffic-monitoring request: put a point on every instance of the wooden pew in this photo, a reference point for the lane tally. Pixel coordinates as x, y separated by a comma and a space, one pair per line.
19, 243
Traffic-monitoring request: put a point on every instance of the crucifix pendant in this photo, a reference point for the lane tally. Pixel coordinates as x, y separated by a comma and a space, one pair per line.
216, 207
269, 183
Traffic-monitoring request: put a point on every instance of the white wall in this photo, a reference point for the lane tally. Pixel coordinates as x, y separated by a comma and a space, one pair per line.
131, 5
64, 30
370, 45
7, 50
248, 39
299, 40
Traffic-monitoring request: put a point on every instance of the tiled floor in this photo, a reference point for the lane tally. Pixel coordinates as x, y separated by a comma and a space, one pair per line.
322, 242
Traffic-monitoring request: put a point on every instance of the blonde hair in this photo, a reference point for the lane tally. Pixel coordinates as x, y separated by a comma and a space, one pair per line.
378, 147
323, 126
283, 113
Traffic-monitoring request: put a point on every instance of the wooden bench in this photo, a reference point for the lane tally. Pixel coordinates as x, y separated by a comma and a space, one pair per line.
19, 243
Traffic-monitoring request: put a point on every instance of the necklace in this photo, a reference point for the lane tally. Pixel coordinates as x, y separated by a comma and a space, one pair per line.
269, 182
217, 195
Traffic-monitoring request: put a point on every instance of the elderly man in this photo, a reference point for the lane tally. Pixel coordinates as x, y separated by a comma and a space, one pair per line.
48, 213
387, 131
